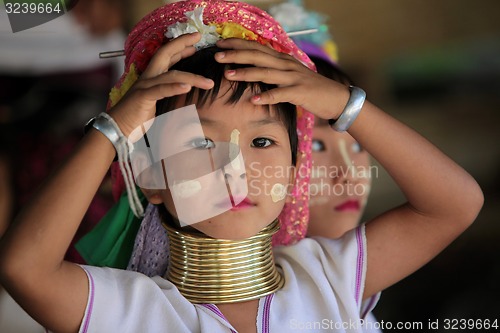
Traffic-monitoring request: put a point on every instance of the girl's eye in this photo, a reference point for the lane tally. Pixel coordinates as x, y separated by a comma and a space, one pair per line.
318, 145
262, 142
202, 143
356, 148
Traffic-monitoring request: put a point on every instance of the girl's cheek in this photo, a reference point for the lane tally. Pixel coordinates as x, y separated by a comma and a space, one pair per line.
317, 201
278, 192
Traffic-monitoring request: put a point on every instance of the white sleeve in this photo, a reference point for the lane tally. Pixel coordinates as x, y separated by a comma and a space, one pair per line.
124, 301
328, 272
355, 264
344, 263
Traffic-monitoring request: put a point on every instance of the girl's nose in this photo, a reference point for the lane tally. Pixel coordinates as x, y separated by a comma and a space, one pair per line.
346, 174
233, 175
236, 182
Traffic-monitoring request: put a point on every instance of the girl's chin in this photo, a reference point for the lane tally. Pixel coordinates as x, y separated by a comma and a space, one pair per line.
229, 229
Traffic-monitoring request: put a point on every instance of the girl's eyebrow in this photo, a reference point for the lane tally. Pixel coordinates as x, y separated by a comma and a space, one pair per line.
210, 122
265, 121
252, 123
197, 120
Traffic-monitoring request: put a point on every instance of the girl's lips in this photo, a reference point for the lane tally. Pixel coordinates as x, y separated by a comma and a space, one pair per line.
243, 203
348, 206
246, 203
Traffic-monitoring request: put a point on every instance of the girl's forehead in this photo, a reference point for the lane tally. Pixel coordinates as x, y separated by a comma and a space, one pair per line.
241, 111
241, 116
222, 111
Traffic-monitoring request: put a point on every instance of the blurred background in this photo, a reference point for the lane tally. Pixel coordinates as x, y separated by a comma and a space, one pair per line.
434, 65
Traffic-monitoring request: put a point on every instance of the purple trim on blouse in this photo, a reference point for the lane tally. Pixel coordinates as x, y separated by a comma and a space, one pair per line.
91, 303
267, 309
216, 310
359, 265
370, 304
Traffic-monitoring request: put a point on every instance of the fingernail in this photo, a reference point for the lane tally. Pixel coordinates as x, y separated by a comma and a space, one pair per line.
184, 85
231, 72
221, 55
256, 98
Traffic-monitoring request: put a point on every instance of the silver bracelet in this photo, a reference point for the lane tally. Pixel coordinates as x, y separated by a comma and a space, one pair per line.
351, 110
107, 126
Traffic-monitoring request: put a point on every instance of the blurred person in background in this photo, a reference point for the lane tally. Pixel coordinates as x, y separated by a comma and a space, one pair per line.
51, 82
340, 177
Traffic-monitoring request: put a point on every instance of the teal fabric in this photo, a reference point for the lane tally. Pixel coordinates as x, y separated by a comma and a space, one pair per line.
111, 242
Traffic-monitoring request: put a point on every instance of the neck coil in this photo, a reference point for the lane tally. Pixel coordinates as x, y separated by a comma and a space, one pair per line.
210, 270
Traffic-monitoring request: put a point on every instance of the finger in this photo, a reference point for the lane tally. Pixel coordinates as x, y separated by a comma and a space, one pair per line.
277, 95
175, 76
164, 90
241, 44
171, 84
258, 58
266, 75
139, 104
171, 53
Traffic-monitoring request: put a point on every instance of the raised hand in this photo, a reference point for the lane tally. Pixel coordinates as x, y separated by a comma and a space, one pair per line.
296, 83
158, 82
443, 200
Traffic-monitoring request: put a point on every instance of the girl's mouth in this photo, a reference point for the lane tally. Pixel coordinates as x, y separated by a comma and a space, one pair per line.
241, 204
348, 206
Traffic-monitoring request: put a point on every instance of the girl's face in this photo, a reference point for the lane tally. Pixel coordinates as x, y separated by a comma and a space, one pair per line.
256, 184
340, 182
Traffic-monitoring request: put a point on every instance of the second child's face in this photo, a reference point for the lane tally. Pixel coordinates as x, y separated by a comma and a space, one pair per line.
340, 182
257, 183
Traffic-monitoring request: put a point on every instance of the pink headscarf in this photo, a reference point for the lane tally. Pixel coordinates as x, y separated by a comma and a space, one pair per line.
149, 34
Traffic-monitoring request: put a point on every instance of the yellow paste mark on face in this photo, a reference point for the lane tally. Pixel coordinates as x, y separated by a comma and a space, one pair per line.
365, 173
278, 192
345, 156
234, 149
186, 188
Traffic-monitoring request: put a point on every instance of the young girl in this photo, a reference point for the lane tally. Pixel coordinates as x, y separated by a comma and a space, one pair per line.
340, 180
341, 174
316, 284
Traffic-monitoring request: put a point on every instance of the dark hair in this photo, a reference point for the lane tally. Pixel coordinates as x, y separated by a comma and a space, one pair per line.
331, 71
203, 63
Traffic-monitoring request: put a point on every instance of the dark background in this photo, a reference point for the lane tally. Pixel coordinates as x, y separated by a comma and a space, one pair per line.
434, 65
